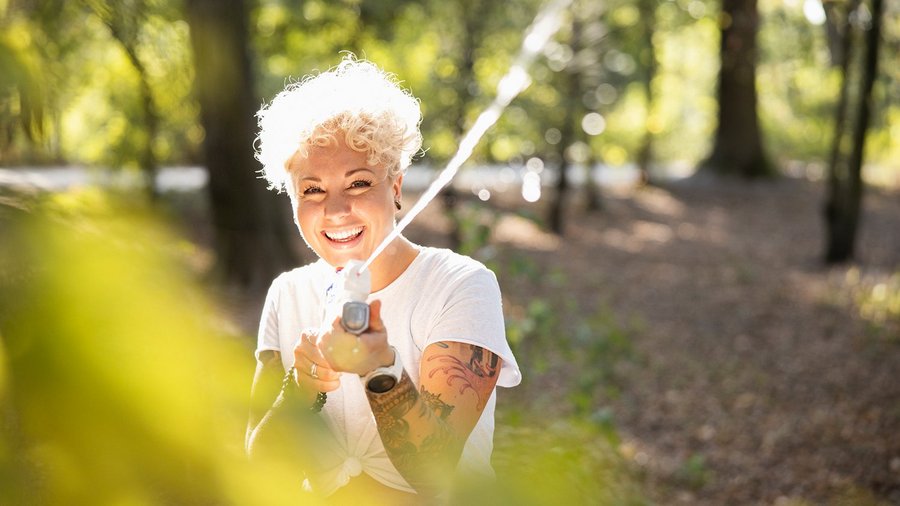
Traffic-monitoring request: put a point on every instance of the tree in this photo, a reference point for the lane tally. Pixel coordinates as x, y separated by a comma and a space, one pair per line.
124, 20
251, 235
473, 16
580, 73
569, 129
845, 185
648, 61
737, 147
22, 106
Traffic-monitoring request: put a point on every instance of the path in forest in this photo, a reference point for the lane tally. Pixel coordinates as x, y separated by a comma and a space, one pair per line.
757, 381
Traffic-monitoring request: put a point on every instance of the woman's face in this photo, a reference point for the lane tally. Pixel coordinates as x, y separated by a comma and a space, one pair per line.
344, 206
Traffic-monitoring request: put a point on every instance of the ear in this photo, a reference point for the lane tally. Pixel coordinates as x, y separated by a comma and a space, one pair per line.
397, 186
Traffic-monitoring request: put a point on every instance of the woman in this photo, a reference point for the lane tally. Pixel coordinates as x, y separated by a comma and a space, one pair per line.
414, 402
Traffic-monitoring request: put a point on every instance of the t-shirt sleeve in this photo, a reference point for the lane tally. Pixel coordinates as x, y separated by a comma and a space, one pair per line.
267, 338
473, 314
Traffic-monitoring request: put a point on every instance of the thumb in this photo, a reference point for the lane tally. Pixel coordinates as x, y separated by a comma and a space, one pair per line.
375, 323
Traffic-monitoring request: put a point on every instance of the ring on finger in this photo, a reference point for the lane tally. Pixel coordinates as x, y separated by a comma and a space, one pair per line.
312, 370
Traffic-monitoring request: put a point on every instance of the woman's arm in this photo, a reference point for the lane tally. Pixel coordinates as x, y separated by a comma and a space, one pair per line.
265, 389
279, 404
424, 430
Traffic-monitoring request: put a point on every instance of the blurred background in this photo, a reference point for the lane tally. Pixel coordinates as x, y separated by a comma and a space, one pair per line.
693, 212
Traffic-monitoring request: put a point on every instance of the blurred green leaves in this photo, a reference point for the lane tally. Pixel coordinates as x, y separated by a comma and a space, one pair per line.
118, 383
63, 78
22, 97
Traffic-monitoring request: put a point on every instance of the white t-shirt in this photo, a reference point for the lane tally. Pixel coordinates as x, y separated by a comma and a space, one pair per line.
441, 296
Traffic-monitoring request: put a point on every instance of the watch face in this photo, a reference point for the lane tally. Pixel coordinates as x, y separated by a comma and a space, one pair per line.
381, 383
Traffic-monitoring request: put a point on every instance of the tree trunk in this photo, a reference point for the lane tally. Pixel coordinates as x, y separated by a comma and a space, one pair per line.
252, 240
593, 196
737, 146
648, 18
147, 159
845, 188
474, 15
568, 129
123, 25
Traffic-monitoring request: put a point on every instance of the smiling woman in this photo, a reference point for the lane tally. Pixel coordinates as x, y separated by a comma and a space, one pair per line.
345, 206
411, 408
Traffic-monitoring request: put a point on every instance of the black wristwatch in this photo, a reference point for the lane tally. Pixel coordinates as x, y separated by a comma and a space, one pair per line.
383, 379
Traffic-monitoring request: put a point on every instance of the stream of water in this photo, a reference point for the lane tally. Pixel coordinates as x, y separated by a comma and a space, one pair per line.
544, 26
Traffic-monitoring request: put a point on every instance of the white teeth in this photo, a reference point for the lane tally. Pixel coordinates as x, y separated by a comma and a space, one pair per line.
343, 235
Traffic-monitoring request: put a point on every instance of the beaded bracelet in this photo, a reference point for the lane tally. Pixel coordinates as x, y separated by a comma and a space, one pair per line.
290, 384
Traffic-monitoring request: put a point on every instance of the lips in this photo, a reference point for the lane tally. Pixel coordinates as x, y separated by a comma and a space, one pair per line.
343, 236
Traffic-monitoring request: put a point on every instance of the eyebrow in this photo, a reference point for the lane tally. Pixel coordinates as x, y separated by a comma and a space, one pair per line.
347, 174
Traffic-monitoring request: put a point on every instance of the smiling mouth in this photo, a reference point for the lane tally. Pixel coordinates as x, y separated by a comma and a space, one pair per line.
343, 235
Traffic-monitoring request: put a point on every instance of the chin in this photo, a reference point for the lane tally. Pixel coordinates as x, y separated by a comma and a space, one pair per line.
341, 259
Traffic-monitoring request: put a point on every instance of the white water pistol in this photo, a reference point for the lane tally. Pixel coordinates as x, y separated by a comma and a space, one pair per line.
347, 297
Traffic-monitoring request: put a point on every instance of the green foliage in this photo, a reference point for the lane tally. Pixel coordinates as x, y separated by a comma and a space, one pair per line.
600, 344
528, 330
117, 383
545, 331
91, 106
694, 472
22, 93
564, 462
475, 225
69, 80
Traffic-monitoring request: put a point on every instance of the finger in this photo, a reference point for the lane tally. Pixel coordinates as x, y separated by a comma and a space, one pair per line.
326, 340
375, 323
326, 386
322, 370
308, 348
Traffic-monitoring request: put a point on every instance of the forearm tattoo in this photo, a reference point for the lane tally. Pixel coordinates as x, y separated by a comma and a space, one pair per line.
390, 407
420, 441
418, 457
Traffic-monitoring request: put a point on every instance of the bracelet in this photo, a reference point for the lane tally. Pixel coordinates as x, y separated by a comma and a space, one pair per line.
319, 403
289, 387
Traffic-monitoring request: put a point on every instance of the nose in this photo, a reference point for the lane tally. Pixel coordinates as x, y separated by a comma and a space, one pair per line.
336, 206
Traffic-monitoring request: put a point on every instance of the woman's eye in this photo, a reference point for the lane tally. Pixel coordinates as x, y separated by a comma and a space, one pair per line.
312, 190
360, 183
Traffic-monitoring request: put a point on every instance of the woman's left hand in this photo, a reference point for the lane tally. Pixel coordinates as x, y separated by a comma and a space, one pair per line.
346, 352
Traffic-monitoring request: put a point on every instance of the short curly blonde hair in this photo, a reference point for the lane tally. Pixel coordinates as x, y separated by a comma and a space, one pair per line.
355, 99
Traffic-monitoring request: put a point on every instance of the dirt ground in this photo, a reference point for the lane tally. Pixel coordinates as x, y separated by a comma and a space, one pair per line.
754, 377
753, 374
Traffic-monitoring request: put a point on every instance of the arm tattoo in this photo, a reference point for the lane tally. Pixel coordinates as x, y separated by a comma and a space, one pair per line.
484, 367
482, 364
416, 459
390, 407
416, 427
433, 401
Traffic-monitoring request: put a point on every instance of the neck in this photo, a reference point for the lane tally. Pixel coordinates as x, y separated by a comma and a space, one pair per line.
391, 263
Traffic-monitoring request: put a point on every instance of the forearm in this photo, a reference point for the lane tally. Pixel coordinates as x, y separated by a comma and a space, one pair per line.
416, 436
288, 424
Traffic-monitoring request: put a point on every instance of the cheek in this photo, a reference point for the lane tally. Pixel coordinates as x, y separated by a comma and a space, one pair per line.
304, 217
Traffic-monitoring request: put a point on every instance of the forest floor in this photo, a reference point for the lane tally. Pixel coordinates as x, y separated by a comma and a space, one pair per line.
740, 370
697, 319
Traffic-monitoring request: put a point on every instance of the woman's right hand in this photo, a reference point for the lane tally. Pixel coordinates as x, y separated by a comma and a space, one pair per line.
306, 353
